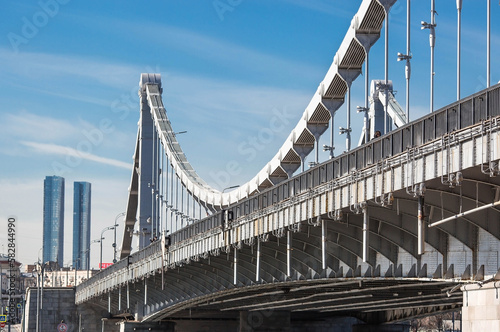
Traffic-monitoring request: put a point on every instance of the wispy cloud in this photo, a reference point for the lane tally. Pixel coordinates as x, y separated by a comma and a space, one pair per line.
55, 149
234, 55
110, 140
39, 66
237, 98
323, 6
215, 51
74, 95
36, 127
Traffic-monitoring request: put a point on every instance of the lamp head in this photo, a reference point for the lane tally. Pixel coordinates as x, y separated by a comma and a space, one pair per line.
362, 109
328, 147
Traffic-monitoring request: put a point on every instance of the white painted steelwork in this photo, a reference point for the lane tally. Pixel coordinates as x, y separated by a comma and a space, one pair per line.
361, 35
363, 32
389, 243
370, 183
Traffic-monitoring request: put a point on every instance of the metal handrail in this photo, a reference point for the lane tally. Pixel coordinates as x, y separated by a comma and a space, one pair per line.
386, 145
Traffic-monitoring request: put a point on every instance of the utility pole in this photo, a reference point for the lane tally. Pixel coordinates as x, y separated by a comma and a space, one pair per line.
432, 41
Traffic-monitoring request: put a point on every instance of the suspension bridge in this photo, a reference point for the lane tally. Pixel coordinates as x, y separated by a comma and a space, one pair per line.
401, 226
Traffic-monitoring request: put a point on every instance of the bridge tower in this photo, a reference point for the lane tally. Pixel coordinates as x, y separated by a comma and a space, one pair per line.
147, 169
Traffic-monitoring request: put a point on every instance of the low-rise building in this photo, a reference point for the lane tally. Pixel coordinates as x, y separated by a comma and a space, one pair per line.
66, 277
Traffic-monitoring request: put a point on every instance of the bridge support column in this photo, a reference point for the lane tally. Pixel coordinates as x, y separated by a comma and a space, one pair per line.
128, 296
145, 291
235, 274
269, 320
481, 307
323, 244
380, 328
288, 253
257, 265
366, 230
106, 324
421, 226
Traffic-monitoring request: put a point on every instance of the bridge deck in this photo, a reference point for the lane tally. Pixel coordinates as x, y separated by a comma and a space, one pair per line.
449, 157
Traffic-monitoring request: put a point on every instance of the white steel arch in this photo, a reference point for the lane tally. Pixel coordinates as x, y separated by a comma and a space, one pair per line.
347, 63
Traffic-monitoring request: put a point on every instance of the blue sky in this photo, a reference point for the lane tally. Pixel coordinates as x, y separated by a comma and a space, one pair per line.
70, 69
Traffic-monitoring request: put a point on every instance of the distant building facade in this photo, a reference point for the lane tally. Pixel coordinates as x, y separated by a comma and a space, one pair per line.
15, 287
53, 219
66, 278
81, 225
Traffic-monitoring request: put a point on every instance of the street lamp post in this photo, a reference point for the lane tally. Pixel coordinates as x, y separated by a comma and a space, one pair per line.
102, 238
37, 296
114, 243
76, 268
40, 271
38, 279
365, 120
432, 40
88, 256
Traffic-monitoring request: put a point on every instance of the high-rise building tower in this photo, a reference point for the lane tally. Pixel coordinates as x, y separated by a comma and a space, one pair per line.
53, 219
81, 225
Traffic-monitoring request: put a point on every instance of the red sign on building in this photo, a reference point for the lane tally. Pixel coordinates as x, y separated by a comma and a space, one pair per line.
104, 265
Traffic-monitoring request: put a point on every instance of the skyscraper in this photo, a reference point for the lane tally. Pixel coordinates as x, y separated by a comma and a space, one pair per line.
53, 219
81, 225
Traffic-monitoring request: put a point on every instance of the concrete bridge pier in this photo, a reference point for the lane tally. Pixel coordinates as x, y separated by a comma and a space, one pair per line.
481, 307
94, 318
266, 320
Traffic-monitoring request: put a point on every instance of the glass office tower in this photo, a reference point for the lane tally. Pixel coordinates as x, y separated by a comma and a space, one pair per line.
81, 225
53, 219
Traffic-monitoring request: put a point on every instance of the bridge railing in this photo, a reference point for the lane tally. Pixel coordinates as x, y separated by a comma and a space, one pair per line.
201, 226
153, 249
458, 115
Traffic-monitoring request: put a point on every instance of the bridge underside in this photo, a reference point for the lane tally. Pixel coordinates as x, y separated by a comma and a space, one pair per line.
386, 232
373, 300
370, 300
394, 284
